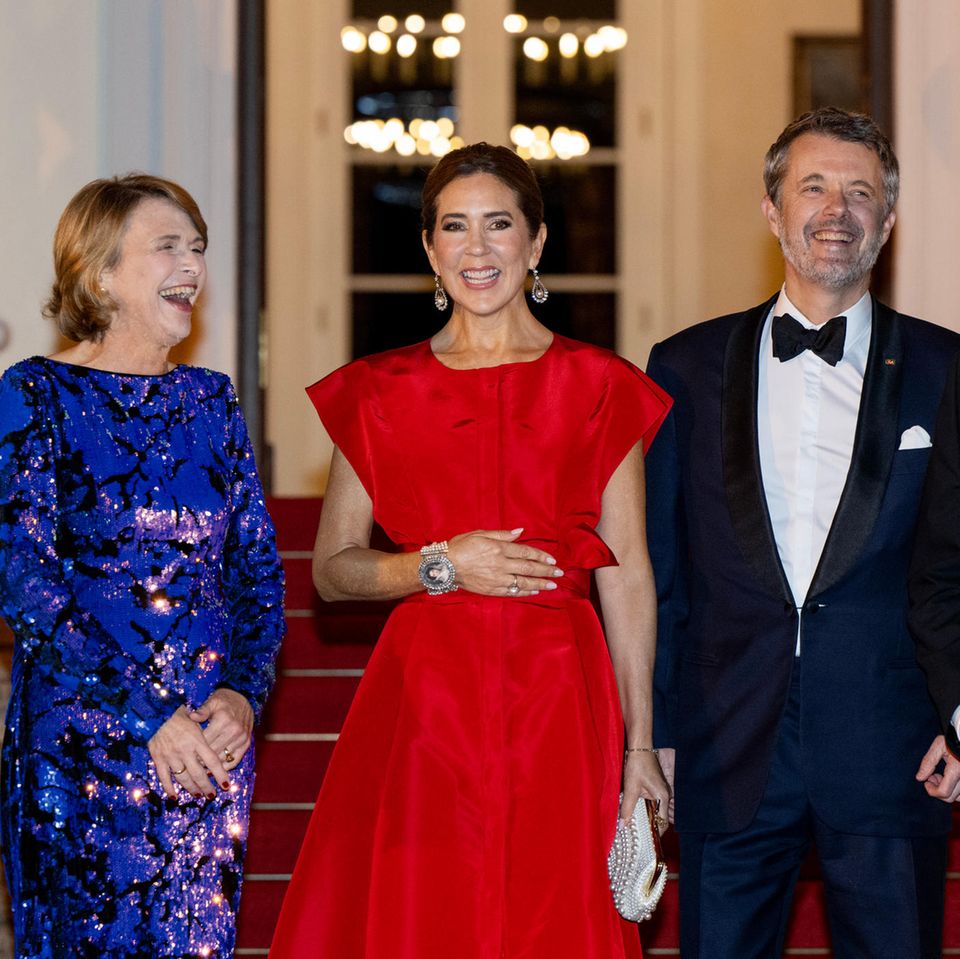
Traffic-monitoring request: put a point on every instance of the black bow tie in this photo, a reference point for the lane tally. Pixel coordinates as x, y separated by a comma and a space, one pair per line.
790, 339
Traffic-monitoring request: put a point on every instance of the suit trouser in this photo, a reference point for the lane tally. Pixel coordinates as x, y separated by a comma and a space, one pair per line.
884, 895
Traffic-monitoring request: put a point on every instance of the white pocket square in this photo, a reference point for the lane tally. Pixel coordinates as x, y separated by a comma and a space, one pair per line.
915, 438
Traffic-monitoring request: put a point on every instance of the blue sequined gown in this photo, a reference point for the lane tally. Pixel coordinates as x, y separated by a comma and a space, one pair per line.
138, 572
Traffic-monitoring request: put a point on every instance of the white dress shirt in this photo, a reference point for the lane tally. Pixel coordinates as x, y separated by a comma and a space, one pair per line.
806, 422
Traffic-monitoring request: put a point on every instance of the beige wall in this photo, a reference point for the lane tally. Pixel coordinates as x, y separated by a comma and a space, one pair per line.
747, 91
927, 129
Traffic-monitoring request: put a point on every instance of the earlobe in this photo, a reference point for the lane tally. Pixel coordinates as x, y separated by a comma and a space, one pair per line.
888, 224
772, 215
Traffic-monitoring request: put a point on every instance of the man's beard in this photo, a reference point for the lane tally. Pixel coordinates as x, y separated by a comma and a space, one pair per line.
834, 275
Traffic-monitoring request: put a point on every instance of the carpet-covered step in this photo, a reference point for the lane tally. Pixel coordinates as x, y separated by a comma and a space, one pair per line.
312, 644
951, 926
260, 903
289, 771
269, 847
296, 520
308, 704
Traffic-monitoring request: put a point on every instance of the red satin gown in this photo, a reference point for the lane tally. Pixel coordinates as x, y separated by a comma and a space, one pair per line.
471, 801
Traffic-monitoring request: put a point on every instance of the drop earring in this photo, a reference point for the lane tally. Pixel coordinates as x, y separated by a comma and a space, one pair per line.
439, 294
538, 292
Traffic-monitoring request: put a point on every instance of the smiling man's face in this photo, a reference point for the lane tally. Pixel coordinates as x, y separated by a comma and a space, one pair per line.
830, 216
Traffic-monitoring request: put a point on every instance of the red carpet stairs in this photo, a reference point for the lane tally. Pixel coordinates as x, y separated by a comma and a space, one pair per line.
322, 660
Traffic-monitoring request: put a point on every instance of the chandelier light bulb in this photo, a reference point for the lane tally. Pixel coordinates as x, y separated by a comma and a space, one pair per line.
453, 22
536, 49
379, 42
593, 46
406, 45
353, 40
446, 47
406, 146
568, 45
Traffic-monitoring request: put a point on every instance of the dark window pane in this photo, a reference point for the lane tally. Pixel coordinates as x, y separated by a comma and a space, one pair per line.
388, 85
386, 220
591, 317
827, 72
579, 92
567, 9
580, 208
382, 321
373, 9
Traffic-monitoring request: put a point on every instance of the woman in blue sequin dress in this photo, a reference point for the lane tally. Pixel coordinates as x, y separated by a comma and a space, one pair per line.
139, 574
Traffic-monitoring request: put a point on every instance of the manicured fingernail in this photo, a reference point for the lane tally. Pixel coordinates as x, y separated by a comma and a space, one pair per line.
211, 795
517, 531
197, 795
534, 592
550, 586
551, 561
558, 572
225, 784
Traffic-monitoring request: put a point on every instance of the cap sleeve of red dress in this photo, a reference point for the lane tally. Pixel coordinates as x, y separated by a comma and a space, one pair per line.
631, 409
343, 399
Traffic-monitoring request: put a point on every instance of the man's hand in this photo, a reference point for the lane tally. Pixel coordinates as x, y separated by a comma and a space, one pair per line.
946, 785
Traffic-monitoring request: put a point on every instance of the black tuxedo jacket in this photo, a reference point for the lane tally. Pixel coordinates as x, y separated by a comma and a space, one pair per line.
935, 573
727, 622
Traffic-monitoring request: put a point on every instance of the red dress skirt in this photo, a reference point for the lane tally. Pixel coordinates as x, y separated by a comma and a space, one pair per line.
472, 798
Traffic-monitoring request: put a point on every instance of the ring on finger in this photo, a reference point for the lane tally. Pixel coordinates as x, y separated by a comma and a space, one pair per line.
228, 756
177, 772
514, 587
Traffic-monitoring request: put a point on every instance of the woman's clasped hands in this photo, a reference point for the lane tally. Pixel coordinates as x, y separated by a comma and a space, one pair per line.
190, 754
492, 563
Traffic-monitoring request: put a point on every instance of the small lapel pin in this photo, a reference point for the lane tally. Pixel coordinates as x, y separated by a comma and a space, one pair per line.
890, 361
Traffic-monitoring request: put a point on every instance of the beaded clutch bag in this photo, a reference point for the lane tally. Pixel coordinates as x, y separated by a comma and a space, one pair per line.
636, 866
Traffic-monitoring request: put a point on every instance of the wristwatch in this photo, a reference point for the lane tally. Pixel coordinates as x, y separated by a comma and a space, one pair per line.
436, 571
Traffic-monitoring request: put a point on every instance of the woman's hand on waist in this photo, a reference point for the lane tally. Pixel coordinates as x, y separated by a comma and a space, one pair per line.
492, 563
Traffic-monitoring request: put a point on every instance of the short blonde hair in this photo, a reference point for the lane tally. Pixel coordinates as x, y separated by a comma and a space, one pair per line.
88, 242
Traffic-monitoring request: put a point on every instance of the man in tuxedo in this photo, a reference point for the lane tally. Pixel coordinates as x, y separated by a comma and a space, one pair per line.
783, 492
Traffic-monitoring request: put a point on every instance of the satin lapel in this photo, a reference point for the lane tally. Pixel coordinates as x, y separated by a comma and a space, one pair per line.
741, 453
874, 447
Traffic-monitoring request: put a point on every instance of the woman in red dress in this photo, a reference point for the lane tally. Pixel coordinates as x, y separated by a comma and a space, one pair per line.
472, 798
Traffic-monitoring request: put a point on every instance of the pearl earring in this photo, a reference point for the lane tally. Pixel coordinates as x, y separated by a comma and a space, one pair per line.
439, 294
538, 292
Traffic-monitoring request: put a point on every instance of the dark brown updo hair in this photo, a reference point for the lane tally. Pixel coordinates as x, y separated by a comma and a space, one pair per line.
501, 162
88, 242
